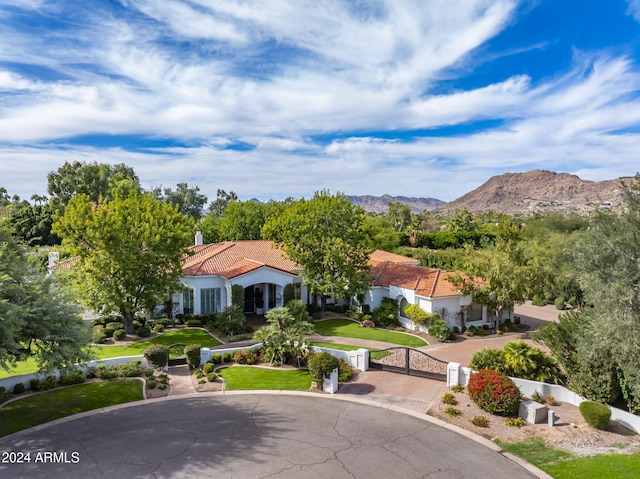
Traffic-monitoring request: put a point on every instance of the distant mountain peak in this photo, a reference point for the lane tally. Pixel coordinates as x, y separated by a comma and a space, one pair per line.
539, 191
379, 204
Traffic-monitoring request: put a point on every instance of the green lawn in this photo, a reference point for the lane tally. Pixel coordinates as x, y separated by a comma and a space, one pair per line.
564, 465
350, 329
185, 336
33, 410
341, 347
247, 377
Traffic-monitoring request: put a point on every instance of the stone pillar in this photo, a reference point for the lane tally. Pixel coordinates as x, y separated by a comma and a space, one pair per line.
453, 374
330, 383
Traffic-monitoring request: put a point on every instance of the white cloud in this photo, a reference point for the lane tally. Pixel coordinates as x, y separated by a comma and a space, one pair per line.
281, 78
634, 9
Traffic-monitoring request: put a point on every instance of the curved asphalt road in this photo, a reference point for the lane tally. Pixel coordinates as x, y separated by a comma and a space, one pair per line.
253, 436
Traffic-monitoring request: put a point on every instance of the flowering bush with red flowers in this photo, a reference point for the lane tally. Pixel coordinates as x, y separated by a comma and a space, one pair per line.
494, 392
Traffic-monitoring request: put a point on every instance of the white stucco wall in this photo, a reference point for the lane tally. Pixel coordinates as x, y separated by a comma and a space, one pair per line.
374, 296
260, 277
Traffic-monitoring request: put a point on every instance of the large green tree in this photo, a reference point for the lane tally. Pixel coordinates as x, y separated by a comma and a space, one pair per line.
129, 249
508, 275
606, 259
324, 236
32, 224
98, 181
188, 200
37, 320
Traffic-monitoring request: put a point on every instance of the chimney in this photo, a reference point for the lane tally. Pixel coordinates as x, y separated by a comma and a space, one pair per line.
198, 238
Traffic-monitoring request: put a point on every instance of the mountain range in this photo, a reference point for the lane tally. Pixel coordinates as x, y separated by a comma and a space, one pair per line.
529, 192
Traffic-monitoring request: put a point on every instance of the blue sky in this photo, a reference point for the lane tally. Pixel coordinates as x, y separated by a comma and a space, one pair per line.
280, 98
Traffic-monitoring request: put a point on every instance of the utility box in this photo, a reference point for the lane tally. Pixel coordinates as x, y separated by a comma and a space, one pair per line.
532, 412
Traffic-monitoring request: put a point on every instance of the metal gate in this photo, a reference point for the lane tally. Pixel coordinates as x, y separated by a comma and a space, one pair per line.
176, 354
408, 361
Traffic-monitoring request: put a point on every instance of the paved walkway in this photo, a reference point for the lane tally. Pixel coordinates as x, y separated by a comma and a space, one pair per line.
409, 392
180, 380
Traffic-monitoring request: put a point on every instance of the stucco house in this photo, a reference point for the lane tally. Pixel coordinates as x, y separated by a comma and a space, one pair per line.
401, 278
263, 270
258, 266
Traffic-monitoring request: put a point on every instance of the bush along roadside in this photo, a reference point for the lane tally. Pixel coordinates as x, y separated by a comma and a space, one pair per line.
77, 375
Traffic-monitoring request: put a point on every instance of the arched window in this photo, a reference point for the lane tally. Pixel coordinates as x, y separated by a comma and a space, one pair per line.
401, 305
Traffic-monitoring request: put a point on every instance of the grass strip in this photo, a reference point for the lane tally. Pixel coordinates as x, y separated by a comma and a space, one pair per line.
350, 329
184, 336
248, 377
40, 408
565, 465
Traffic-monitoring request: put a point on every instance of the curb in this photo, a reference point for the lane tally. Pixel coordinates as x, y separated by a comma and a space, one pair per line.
277, 392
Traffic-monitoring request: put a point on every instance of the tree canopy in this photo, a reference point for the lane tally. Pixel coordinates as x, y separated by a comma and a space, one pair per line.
129, 249
37, 320
324, 236
98, 181
188, 200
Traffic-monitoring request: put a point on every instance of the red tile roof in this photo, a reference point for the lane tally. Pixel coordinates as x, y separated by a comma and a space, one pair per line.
426, 282
234, 258
381, 256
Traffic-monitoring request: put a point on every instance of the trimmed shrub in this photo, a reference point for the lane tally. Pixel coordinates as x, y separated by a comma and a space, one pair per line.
151, 384
99, 336
48, 383
245, 356
158, 354
198, 374
102, 372
74, 376
119, 334
148, 372
208, 368
216, 358
193, 323
211, 377
494, 392
34, 384
537, 301
18, 388
289, 293
237, 295
488, 358
595, 414
192, 353
386, 315
439, 330
316, 316
130, 370
114, 326
345, 371
240, 337
227, 357
320, 364
143, 332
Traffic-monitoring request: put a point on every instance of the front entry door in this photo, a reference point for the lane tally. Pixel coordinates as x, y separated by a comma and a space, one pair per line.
249, 300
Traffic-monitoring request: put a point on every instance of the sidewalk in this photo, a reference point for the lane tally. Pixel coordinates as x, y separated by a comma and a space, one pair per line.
180, 380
